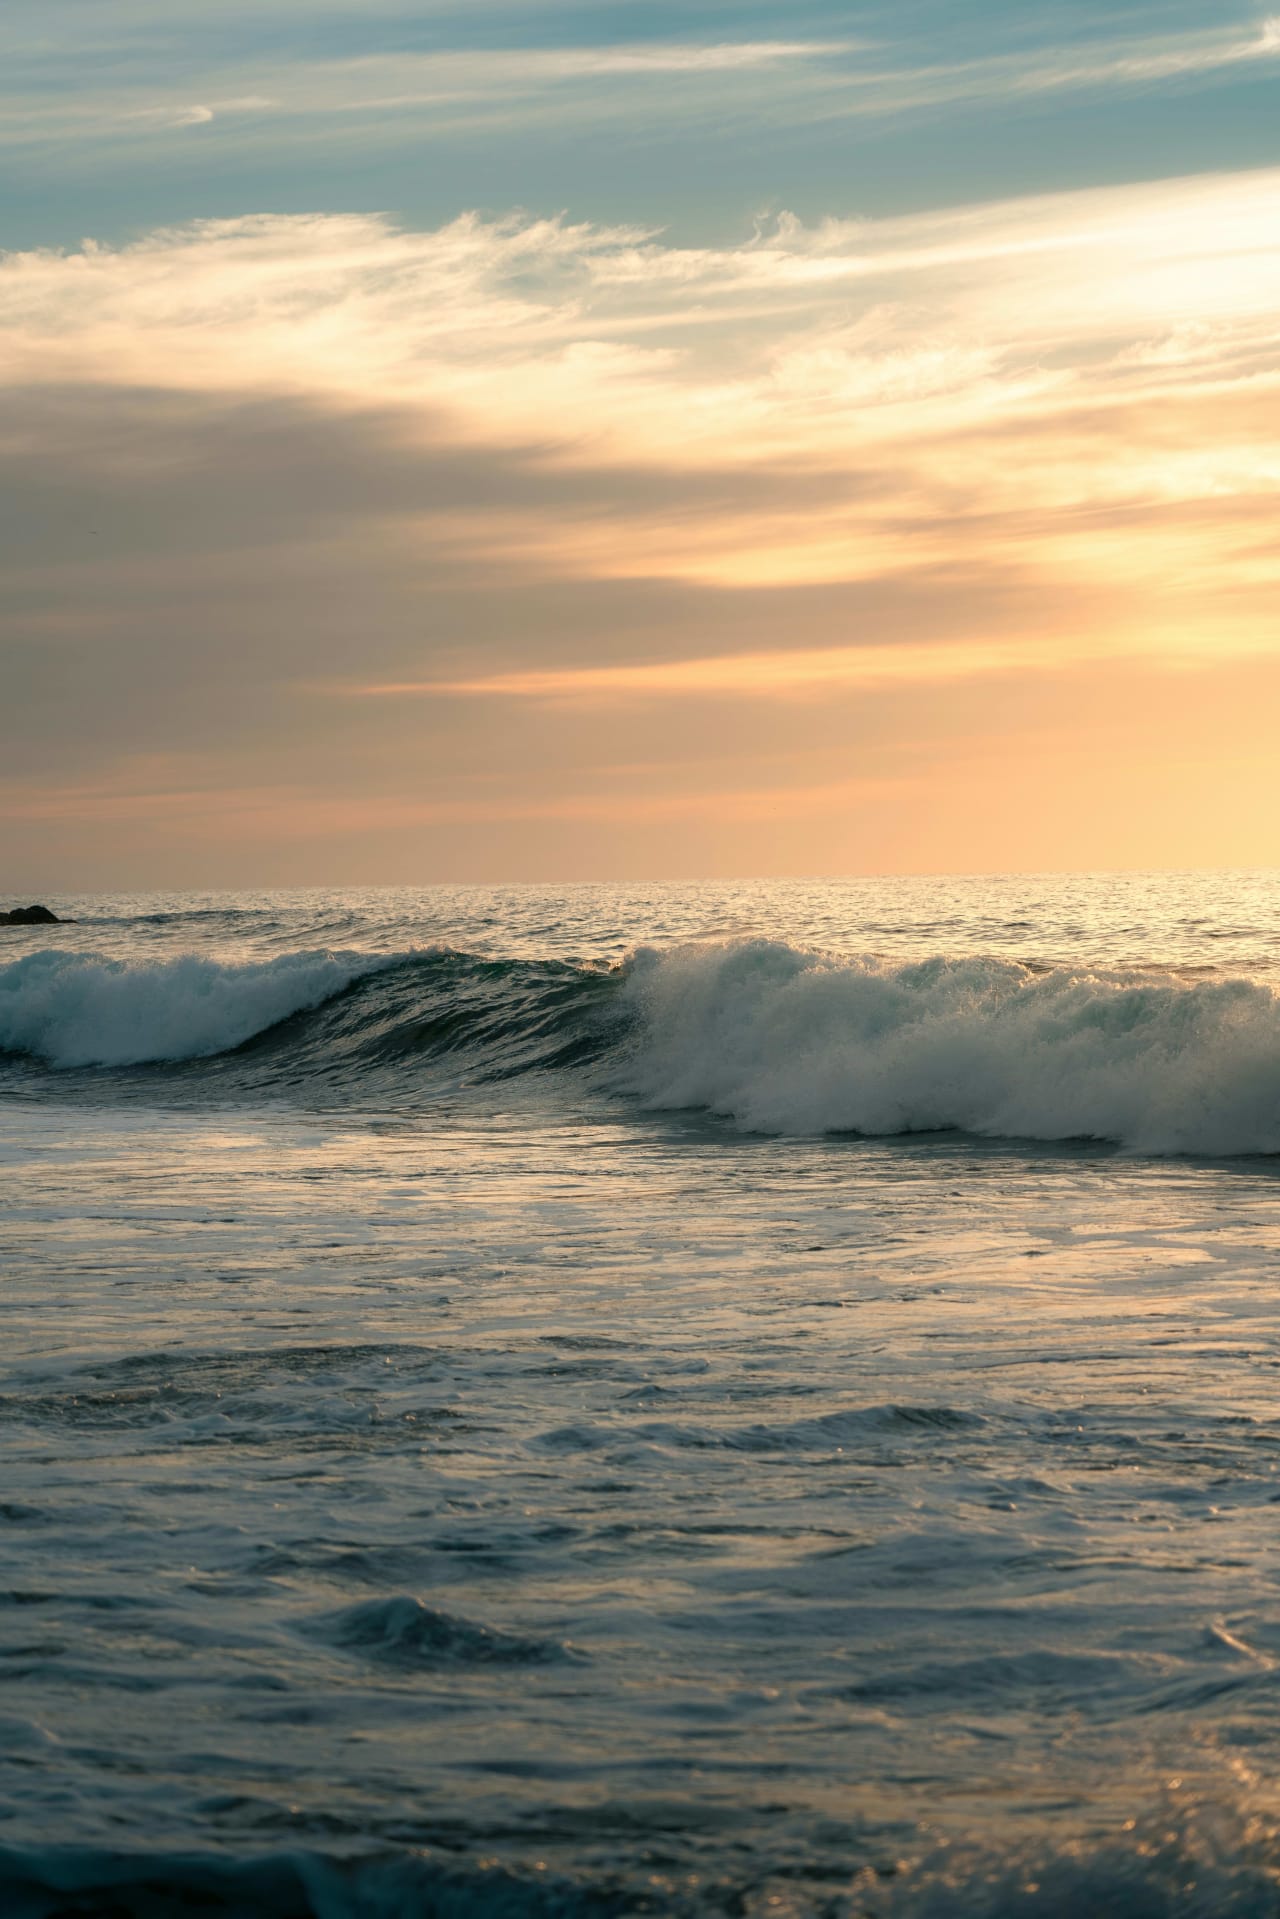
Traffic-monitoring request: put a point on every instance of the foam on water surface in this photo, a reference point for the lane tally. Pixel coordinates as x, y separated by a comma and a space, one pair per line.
449, 1470
786, 1040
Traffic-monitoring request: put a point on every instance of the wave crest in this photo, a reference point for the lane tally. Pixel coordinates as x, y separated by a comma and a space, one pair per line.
77, 1009
780, 1039
785, 1040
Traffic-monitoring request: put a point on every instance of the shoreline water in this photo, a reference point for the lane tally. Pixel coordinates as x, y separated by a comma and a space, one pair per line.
437, 1480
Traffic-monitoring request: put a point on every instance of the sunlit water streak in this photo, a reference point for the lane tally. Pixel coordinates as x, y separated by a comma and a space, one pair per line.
438, 1477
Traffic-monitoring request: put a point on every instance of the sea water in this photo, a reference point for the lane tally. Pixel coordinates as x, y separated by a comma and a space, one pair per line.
735, 1399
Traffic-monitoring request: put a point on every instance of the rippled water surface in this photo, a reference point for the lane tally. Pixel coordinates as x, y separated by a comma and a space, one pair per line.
781, 1423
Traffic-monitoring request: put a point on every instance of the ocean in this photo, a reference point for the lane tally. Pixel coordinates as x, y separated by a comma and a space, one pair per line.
742, 1399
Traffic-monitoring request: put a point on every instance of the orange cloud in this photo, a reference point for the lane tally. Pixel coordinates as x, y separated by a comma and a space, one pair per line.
993, 380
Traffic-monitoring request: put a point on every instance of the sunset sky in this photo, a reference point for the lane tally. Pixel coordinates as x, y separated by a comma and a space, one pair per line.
508, 441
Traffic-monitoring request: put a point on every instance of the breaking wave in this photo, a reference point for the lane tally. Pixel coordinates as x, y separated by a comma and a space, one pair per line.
74, 1009
789, 1041
1210, 1862
779, 1039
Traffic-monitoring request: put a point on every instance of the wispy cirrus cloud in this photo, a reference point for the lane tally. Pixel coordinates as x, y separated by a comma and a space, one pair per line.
798, 672
199, 114
1049, 68
452, 90
448, 88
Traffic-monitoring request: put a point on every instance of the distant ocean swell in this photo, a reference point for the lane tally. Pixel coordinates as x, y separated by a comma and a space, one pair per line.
777, 1038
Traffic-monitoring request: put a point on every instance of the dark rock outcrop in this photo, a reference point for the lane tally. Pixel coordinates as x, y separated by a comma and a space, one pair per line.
31, 916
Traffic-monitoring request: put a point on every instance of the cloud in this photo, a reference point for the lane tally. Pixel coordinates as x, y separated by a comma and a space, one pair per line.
1081, 383
155, 794
646, 85
798, 672
1094, 67
447, 89
200, 116
543, 501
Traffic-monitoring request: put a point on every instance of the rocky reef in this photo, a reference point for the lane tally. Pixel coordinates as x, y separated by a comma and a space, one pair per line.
31, 916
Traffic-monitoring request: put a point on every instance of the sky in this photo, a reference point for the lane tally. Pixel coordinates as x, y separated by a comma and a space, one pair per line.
483, 440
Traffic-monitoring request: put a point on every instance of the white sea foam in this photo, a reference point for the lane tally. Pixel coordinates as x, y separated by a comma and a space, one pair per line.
793, 1041
75, 1009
